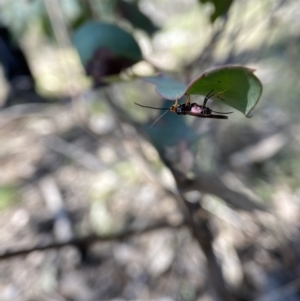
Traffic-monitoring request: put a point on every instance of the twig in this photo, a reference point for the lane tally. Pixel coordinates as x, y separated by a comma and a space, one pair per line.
88, 240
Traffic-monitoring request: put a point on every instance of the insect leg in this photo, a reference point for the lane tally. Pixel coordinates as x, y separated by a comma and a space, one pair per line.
174, 106
187, 101
221, 112
207, 97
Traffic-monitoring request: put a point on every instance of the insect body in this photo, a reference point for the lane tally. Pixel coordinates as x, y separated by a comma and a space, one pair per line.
196, 110
192, 109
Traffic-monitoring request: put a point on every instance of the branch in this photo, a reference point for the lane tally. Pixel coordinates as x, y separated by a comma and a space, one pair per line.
198, 223
198, 219
88, 240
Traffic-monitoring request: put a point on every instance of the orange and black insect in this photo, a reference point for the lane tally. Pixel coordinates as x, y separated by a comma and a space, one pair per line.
192, 109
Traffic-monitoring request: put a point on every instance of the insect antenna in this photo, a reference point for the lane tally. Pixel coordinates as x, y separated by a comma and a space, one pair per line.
221, 112
158, 119
164, 109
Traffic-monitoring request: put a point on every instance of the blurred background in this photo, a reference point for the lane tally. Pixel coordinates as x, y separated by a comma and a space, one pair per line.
94, 205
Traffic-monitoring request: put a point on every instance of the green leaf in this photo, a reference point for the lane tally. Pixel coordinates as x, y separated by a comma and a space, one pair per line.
94, 35
221, 7
235, 86
8, 196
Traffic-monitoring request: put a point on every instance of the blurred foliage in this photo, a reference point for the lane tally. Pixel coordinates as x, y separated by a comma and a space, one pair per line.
167, 87
8, 196
221, 7
18, 15
131, 12
76, 13
105, 49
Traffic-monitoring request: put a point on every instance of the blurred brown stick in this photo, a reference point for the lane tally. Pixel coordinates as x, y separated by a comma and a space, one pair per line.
198, 220
88, 240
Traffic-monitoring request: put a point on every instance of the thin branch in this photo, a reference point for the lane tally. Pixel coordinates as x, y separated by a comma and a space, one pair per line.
89, 240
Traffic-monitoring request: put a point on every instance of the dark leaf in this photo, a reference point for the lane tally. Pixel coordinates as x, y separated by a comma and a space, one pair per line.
105, 49
131, 12
94, 35
221, 8
105, 63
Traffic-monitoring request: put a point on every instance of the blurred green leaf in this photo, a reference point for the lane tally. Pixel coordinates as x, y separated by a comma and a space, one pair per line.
8, 196
221, 7
76, 13
95, 35
167, 87
235, 86
132, 13
18, 15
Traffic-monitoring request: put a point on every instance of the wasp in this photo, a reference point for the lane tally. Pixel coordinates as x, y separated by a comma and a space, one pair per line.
192, 109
